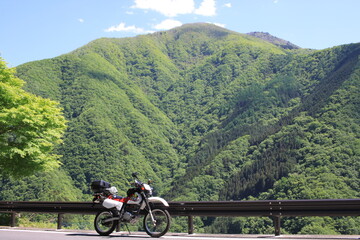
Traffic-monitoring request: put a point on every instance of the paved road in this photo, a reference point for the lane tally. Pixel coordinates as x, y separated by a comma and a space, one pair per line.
20, 234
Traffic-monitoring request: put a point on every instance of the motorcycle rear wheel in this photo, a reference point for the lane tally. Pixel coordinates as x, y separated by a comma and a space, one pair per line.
104, 228
161, 225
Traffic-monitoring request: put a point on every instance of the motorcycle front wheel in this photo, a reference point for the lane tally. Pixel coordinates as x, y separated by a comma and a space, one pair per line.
103, 227
161, 224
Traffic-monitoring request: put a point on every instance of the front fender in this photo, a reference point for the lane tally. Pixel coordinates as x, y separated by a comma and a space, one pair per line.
158, 200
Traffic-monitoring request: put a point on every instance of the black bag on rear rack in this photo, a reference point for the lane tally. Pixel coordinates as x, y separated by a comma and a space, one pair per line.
99, 186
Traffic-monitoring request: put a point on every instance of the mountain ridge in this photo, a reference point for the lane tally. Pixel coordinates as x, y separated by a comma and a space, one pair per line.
274, 40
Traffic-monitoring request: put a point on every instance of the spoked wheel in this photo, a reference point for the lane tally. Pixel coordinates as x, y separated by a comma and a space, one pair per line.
102, 226
161, 224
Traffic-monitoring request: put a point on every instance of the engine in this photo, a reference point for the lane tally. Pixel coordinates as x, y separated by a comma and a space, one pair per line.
129, 217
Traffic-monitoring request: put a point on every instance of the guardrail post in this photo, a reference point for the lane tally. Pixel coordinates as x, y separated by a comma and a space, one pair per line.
13, 220
190, 224
277, 225
60, 221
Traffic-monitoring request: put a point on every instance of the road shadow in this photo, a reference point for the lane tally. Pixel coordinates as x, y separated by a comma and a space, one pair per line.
110, 236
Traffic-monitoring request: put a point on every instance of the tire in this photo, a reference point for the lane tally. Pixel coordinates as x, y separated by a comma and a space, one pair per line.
162, 225
104, 229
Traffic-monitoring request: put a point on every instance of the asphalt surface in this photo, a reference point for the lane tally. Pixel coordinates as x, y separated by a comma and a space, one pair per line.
40, 234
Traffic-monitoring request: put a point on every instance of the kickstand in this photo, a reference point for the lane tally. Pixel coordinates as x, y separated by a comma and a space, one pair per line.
127, 228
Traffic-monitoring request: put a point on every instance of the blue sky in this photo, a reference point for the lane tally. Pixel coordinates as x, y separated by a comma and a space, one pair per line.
37, 29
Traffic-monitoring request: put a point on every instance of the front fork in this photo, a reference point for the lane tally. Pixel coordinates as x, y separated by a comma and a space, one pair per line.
149, 209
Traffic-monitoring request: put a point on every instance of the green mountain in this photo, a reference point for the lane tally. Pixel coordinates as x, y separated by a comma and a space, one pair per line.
208, 114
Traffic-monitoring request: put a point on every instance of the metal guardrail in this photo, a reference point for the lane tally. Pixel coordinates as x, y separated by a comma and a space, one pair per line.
266, 208
50, 207
285, 208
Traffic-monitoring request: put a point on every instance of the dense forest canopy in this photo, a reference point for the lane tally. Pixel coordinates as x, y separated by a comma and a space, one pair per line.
208, 114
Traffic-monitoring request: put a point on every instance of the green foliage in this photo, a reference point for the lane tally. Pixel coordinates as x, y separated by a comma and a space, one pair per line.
249, 225
30, 126
53, 185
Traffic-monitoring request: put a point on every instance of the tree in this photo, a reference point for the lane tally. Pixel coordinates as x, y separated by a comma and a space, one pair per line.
30, 127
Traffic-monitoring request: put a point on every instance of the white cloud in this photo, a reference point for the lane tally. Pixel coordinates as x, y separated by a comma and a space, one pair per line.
167, 24
81, 20
169, 8
228, 5
207, 8
123, 28
172, 8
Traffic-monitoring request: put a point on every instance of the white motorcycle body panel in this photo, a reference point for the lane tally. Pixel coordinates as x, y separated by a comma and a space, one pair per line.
109, 203
158, 200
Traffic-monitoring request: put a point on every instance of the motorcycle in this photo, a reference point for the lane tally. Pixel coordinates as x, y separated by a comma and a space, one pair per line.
139, 201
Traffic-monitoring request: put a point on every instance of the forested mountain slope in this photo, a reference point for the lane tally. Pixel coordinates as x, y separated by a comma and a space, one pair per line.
208, 114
